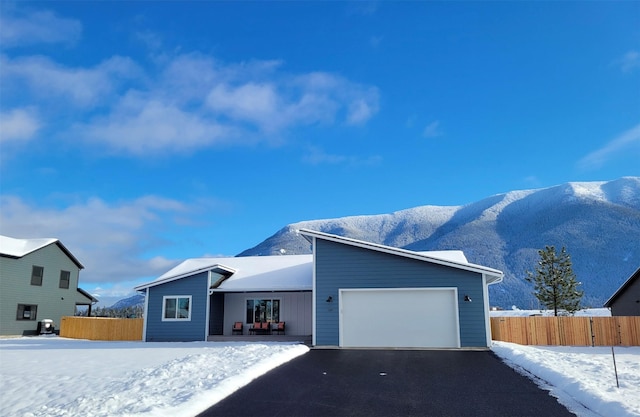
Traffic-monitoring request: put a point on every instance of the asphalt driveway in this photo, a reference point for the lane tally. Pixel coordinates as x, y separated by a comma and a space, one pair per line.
391, 383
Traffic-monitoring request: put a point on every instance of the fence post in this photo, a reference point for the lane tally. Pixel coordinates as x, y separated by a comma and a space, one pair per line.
615, 368
593, 336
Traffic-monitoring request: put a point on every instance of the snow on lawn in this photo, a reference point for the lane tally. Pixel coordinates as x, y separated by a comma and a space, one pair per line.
582, 378
53, 376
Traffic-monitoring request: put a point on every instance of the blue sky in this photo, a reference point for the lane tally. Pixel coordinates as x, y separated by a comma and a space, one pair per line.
144, 133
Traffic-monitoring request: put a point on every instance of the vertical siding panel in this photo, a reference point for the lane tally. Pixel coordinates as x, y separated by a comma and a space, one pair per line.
344, 266
166, 331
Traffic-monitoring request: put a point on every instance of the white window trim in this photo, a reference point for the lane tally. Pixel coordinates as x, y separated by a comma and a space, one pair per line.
164, 304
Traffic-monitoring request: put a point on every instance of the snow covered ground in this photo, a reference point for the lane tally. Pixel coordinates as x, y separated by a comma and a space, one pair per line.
53, 376
582, 378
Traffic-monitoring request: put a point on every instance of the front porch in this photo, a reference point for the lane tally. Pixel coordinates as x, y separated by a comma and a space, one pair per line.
261, 338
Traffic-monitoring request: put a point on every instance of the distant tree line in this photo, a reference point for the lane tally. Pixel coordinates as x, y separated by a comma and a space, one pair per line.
131, 312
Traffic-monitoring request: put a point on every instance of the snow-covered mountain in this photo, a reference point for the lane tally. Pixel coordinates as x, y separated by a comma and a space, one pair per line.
133, 301
598, 223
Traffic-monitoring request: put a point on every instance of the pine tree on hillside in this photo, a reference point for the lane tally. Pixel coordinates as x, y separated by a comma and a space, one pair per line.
555, 285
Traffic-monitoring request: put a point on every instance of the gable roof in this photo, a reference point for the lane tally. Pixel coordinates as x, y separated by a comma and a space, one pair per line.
295, 272
440, 257
246, 273
90, 297
18, 248
634, 277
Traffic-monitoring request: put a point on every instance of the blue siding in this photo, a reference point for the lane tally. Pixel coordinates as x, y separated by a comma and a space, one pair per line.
344, 266
183, 331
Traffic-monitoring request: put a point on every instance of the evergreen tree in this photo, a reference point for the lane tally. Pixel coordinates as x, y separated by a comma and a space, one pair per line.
554, 282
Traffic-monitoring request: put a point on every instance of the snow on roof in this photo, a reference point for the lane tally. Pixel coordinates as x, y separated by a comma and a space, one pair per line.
20, 247
17, 248
249, 273
289, 272
493, 275
264, 273
446, 255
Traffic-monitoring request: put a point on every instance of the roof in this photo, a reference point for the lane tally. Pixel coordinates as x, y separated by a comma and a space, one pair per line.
295, 272
18, 248
87, 295
635, 276
247, 273
446, 258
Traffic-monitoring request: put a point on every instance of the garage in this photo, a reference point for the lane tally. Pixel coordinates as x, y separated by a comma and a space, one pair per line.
371, 295
399, 317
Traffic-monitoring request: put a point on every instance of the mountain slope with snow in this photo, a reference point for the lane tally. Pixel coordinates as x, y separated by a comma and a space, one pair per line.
598, 223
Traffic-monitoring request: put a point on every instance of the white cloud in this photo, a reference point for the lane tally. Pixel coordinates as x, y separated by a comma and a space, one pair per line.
317, 156
628, 141
287, 101
432, 130
18, 125
174, 102
360, 110
142, 126
109, 239
630, 61
186, 103
37, 27
80, 86
255, 103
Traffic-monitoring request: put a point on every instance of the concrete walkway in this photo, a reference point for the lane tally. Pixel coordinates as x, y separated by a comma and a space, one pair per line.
391, 383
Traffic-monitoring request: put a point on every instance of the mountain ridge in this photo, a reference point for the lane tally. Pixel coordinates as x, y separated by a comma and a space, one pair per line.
598, 222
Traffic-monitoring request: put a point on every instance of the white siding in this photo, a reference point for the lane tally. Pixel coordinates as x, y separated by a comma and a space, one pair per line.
295, 310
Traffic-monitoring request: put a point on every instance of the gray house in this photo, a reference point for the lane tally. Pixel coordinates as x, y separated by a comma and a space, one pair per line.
348, 293
38, 280
626, 300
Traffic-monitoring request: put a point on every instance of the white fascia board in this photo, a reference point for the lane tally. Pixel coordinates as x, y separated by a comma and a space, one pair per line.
403, 252
183, 275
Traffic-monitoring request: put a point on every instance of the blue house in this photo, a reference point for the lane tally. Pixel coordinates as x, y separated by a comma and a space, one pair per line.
348, 293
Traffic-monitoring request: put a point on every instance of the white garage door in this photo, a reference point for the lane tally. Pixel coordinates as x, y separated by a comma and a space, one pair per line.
407, 317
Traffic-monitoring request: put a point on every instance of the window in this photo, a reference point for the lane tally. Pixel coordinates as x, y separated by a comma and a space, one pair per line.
176, 307
64, 279
36, 275
27, 312
263, 310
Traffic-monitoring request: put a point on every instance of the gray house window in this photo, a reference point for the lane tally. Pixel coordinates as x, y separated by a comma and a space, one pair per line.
176, 308
36, 275
259, 310
64, 279
27, 312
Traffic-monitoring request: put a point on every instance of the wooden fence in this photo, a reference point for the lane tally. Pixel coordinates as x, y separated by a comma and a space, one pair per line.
567, 331
101, 328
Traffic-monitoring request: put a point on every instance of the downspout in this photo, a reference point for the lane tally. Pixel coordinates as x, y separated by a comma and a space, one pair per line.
487, 319
487, 309
146, 314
